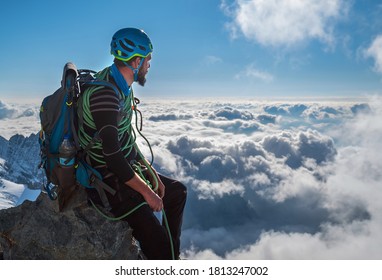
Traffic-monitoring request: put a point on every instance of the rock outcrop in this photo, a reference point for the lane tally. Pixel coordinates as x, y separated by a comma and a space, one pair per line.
37, 230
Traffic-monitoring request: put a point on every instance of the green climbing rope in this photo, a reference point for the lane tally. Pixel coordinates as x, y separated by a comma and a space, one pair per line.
125, 125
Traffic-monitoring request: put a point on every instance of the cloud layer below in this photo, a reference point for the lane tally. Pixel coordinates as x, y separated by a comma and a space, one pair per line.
275, 180
18, 119
269, 180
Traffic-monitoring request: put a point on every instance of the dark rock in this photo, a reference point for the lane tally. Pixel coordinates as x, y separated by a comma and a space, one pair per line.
37, 230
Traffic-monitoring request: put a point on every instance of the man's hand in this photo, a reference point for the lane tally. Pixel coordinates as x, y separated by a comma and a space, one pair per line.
161, 188
154, 201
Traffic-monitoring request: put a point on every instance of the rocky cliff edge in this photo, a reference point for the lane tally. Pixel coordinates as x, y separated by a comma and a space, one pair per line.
37, 230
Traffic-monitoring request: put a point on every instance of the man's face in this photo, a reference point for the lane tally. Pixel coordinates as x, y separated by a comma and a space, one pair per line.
144, 70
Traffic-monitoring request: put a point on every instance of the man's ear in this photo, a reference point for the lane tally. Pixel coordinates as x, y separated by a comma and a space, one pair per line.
135, 62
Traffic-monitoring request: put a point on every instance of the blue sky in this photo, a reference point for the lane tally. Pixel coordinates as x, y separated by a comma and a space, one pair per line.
202, 48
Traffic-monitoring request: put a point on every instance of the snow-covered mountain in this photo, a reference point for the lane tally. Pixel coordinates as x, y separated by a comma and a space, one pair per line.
20, 159
20, 177
19, 151
12, 194
9, 193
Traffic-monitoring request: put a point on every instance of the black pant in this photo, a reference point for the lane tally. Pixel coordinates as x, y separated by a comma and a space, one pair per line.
152, 236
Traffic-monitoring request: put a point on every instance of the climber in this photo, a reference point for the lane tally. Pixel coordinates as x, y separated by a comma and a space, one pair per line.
139, 188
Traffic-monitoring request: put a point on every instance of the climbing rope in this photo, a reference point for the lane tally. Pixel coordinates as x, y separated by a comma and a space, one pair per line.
129, 106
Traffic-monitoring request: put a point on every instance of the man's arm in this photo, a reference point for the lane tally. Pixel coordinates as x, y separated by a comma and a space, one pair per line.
104, 107
137, 184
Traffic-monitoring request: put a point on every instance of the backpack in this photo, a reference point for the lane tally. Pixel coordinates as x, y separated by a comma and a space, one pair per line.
58, 135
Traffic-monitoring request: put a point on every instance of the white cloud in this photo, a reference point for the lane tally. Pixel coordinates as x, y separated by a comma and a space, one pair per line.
304, 183
252, 72
211, 60
319, 210
353, 241
230, 113
375, 52
285, 22
208, 189
7, 111
16, 118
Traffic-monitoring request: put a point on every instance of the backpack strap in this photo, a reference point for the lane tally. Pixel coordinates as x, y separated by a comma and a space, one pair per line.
88, 175
88, 80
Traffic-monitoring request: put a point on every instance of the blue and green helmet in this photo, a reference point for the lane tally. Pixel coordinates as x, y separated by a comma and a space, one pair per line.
130, 42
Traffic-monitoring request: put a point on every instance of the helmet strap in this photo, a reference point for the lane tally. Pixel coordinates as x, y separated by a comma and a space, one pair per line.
135, 70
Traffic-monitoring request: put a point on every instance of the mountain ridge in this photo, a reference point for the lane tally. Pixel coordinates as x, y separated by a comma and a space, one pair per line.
19, 160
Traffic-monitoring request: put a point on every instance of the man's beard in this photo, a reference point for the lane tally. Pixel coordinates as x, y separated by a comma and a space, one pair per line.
141, 77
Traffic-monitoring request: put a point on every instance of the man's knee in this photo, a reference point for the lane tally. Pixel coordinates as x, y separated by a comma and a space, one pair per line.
181, 193
183, 189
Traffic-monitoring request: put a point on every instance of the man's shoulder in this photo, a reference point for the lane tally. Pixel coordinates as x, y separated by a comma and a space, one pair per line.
104, 94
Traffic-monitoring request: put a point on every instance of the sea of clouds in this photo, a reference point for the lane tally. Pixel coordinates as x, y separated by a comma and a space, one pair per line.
266, 179
274, 180
18, 118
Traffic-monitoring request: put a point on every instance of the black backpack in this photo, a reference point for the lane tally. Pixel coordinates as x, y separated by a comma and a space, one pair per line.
59, 123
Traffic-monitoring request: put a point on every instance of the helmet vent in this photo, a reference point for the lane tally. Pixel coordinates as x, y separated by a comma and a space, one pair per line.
126, 48
131, 43
142, 48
